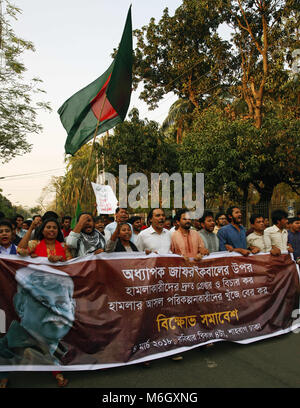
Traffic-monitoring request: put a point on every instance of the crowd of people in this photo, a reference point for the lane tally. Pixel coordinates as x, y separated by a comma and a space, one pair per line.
52, 237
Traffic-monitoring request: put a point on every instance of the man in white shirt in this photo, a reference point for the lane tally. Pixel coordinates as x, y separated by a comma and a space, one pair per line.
155, 238
277, 235
256, 240
121, 215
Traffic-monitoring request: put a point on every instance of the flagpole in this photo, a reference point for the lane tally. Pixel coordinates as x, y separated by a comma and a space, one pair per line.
92, 148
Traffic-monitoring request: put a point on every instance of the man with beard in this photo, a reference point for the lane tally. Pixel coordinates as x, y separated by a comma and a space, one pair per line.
210, 239
136, 223
232, 237
85, 239
221, 221
186, 241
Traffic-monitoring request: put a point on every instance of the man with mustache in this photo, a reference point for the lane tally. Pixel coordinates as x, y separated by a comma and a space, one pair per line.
210, 239
155, 238
46, 308
186, 241
232, 237
276, 237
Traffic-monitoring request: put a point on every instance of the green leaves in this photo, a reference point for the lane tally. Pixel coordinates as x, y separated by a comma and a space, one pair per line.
18, 111
183, 54
141, 145
234, 154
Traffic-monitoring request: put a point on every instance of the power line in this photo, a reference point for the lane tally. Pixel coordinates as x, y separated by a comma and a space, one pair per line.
32, 174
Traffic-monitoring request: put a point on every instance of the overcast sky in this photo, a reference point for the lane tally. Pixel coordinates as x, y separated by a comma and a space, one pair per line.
74, 40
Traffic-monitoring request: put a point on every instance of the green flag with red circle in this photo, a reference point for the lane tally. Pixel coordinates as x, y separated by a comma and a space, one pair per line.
102, 104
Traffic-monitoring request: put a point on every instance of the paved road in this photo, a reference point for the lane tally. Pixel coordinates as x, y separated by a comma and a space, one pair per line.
271, 363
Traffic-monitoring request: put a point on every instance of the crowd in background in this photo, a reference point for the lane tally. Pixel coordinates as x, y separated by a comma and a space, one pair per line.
52, 236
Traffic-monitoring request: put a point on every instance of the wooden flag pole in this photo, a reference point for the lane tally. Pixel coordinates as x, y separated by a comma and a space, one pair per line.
92, 148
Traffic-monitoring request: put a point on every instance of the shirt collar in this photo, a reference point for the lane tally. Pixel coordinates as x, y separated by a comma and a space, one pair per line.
5, 250
203, 231
278, 230
240, 226
152, 230
259, 235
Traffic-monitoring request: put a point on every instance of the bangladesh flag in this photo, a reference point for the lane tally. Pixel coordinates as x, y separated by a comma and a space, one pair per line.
76, 216
104, 102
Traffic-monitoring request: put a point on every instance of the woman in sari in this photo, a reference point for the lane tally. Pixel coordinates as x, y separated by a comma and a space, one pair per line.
49, 242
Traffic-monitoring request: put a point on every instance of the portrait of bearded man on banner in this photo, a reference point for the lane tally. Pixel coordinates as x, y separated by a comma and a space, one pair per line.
46, 308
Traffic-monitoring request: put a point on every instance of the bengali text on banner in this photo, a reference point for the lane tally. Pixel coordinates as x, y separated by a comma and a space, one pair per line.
115, 309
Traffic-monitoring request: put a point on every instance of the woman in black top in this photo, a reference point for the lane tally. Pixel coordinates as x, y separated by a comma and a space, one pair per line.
120, 239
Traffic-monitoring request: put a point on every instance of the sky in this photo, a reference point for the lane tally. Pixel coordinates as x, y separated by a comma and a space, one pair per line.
74, 40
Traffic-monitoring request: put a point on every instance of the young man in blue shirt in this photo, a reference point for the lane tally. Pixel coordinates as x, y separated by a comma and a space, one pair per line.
294, 237
232, 237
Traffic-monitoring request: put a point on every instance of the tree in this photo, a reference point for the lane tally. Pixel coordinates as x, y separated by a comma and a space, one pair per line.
70, 188
184, 54
6, 206
18, 111
178, 118
212, 147
141, 145
264, 46
11, 210
233, 154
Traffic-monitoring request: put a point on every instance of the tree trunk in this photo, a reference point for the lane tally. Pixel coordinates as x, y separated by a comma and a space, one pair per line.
257, 117
244, 204
264, 205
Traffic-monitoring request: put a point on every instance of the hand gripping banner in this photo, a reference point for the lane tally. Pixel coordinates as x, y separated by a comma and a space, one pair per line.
116, 309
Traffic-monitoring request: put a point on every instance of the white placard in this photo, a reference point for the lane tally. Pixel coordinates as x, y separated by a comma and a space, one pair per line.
105, 198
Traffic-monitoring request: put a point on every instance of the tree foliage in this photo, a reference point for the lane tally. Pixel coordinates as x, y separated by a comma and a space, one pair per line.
11, 210
18, 108
183, 54
265, 38
233, 154
237, 115
140, 145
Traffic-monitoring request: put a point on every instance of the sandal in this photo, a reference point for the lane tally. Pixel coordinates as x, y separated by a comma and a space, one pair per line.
3, 382
61, 380
177, 358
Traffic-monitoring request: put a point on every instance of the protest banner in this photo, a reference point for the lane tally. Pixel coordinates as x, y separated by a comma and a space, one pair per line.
116, 309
